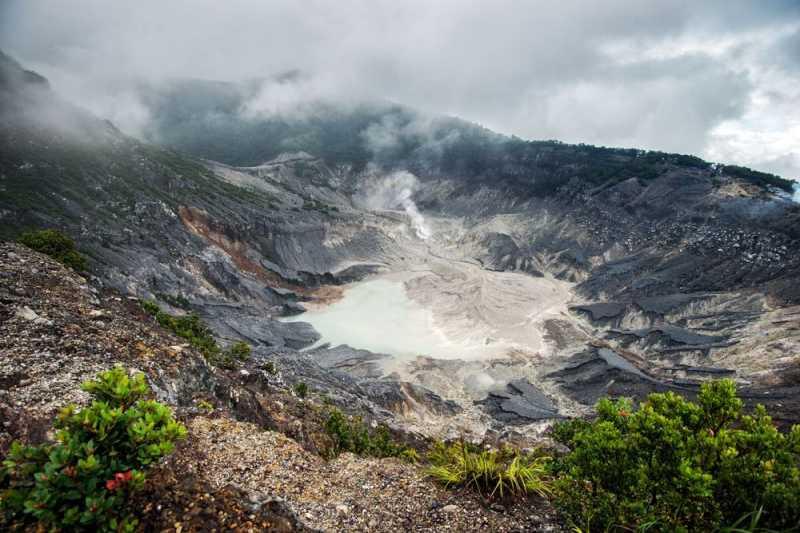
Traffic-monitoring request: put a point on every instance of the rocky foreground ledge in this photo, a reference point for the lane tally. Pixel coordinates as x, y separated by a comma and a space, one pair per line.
251, 463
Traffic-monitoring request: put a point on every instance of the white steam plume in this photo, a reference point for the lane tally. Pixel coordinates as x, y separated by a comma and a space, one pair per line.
395, 191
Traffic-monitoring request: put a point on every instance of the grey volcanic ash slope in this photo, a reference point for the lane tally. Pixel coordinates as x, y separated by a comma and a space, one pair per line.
671, 270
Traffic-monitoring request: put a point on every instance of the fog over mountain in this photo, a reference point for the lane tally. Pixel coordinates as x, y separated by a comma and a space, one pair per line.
720, 80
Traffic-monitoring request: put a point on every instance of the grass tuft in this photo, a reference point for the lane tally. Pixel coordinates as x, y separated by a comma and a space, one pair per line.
503, 473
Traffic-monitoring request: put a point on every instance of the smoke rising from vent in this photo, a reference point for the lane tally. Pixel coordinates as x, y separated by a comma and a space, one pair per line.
395, 191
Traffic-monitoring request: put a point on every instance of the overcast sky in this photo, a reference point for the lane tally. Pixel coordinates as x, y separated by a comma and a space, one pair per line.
720, 79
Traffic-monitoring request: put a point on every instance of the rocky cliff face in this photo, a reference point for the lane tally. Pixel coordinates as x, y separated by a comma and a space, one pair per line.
58, 329
679, 270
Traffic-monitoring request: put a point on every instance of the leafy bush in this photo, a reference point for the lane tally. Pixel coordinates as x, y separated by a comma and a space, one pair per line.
678, 465
301, 389
353, 435
504, 472
205, 405
151, 308
239, 351
191, 328
99, 457
314, 205
55, 244
178, 301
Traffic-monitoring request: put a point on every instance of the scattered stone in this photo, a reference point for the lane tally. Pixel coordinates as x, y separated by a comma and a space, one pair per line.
392, 495
342, 510
26, 313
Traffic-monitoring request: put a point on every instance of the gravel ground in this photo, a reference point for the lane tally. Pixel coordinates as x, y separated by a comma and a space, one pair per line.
350, 493
57, 331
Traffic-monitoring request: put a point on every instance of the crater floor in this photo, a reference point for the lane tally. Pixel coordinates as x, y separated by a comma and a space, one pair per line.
445, 322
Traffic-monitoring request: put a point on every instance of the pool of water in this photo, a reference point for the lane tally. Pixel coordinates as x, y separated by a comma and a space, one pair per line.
378, 315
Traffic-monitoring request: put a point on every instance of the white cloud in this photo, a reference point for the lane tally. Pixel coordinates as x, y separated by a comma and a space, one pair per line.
716, 78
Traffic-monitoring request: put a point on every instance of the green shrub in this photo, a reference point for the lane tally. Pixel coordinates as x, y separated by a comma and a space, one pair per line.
178, 301
678, 465
84, 479
239, 351
315, 205
55, 244
194, 330
205, 405
503, 472
353, 435
150, 307
301, 389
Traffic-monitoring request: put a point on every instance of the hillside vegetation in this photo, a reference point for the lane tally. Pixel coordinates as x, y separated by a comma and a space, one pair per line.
671, 464
210, 119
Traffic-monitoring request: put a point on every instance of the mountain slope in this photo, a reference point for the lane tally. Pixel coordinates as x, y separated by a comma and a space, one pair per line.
625, 195
677, 270
224, 122
164, 226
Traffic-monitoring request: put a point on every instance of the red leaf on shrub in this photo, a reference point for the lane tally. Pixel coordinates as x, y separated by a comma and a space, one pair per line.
123, 477
111, 484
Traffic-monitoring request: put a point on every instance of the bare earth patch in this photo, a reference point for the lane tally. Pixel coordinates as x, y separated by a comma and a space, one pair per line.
350, 493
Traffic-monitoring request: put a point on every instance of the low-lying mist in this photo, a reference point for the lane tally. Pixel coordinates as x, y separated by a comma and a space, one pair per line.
28, 103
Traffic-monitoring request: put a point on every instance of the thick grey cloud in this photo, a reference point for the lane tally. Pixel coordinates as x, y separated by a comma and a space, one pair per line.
720, 79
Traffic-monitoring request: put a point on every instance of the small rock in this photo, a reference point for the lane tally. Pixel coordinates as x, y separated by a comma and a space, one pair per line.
342, 510
27, 313
452, 508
